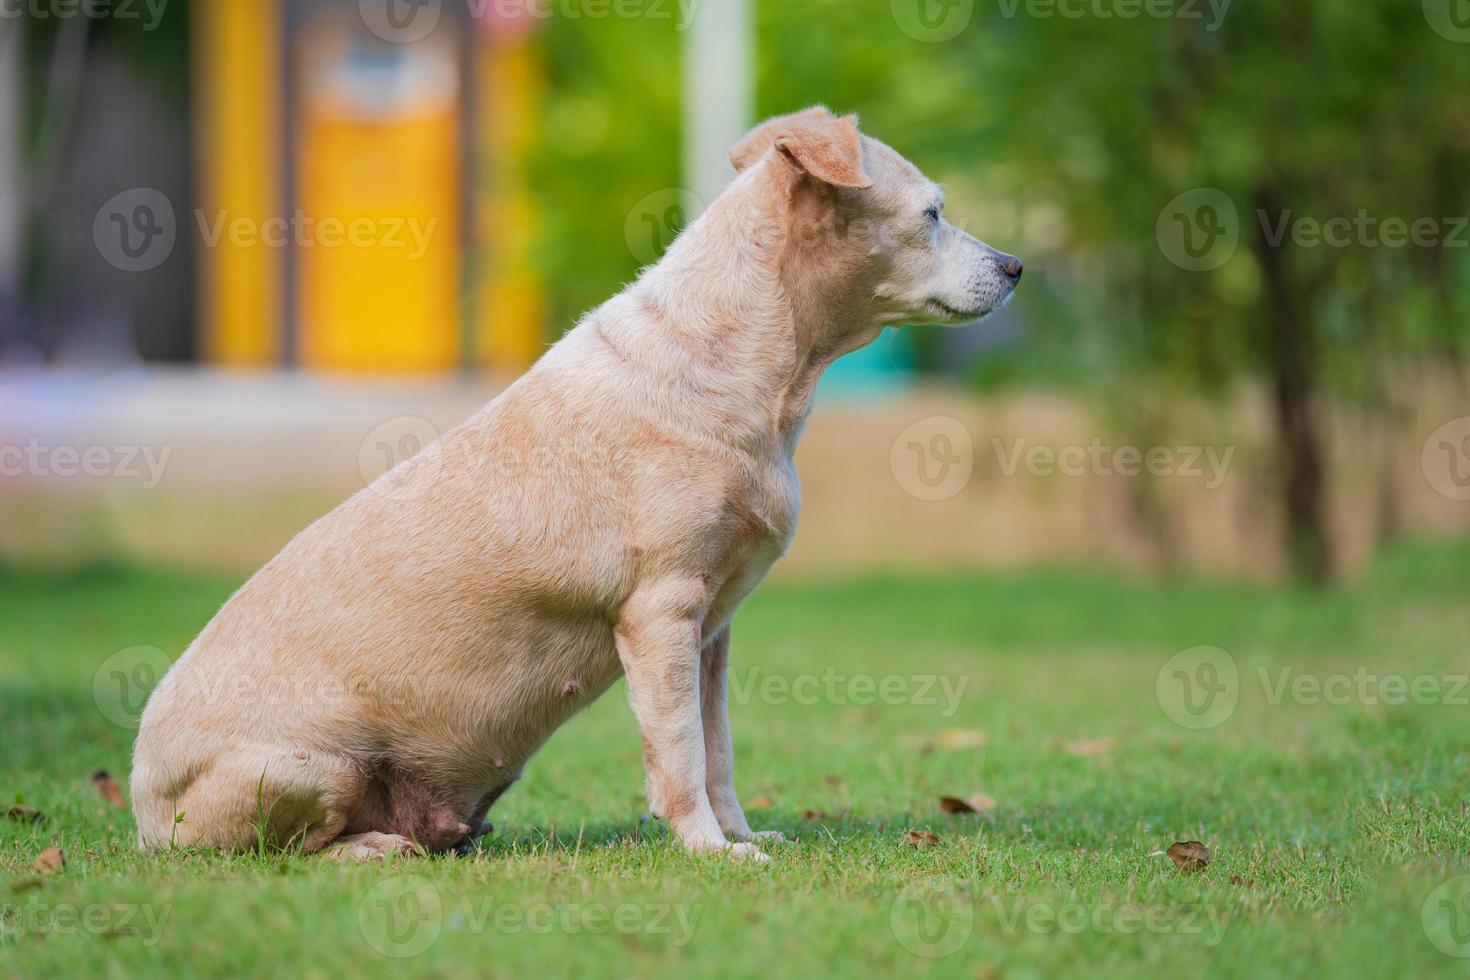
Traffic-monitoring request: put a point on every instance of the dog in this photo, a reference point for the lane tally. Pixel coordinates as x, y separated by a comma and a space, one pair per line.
377, 685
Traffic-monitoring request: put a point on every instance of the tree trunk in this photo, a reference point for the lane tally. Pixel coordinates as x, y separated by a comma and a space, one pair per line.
1291, 359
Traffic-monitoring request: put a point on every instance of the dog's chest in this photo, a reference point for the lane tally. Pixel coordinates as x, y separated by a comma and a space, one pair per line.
764, 503
762, 517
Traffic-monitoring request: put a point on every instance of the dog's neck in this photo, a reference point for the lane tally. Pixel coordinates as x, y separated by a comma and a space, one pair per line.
747, 319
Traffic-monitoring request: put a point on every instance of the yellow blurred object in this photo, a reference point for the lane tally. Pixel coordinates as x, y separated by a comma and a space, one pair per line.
378, 235
512, 308
237, 58
393, 232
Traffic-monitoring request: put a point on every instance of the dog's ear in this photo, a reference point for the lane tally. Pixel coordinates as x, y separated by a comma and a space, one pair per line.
813, 141
759, 140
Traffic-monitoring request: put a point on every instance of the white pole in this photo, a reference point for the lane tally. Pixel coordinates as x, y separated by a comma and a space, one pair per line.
718, 92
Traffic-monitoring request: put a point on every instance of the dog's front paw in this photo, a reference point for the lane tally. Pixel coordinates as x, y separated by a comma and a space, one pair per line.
763, 836
737, 850
747, 852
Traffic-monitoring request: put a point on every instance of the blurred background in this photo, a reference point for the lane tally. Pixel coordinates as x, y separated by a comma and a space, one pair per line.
253, 252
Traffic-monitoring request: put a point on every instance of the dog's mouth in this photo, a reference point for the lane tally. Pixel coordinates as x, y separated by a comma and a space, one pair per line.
953, 314
949, 314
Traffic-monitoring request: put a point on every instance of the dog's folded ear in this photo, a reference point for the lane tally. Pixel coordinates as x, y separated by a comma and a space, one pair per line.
758, 142
814, 141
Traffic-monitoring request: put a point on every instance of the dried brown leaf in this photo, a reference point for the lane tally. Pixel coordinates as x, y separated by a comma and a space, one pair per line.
762, 803
24, 814
974, 803
1088, 747
1188, 856
961, 738
1242, 882
109, 788
921, 838
49, 862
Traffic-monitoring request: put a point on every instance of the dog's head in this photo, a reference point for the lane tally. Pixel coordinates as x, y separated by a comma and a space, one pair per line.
874, 223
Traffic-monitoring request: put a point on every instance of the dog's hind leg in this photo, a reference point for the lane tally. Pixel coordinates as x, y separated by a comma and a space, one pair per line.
370, 846
247, 798
398, 804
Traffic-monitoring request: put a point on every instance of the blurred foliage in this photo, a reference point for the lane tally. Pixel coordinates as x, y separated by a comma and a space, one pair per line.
610, 136
1064, 138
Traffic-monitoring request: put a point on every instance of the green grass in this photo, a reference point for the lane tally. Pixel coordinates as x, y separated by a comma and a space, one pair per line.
1345, 816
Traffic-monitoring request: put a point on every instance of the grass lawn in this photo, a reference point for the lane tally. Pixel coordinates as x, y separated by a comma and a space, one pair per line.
1338, 822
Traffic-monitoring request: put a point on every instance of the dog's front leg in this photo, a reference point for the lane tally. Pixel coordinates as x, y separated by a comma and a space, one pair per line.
719, 751
658, 639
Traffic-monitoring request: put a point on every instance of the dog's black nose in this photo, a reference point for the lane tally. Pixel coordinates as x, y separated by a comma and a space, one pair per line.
1010, 265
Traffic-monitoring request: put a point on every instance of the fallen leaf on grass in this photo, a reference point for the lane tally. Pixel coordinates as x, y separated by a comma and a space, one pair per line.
110, 790
1243, 882
26, 885
1188, 856
921, 838
974, 803
762, 803
961, 738
1090, 746
49, 862
24, 814
815, 815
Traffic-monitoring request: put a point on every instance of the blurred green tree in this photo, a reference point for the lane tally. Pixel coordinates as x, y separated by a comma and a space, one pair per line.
1167, 162
1322, 149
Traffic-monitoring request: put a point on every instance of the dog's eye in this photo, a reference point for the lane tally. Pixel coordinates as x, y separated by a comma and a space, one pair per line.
932, 214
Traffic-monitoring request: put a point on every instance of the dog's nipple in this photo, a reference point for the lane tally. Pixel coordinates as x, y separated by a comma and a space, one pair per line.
570, 689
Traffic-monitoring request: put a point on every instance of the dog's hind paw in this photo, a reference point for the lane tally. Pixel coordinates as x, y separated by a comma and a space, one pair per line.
371, 846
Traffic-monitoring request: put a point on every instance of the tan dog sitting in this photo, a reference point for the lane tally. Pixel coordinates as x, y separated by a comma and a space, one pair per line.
380, 682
